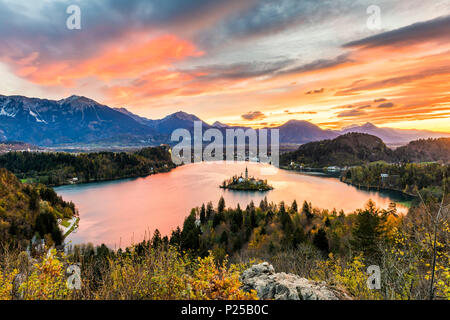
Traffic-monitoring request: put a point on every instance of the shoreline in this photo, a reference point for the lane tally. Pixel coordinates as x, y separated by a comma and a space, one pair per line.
337, 174
378, 188
103, 180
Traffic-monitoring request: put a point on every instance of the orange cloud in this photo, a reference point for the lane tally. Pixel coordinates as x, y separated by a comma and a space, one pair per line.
408, 78
125, 58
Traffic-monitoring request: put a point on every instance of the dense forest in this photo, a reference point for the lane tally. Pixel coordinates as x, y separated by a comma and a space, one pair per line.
345, 150
27, 210
358, 148
204, 258
55, 169
328, 245
428, 178
425, 151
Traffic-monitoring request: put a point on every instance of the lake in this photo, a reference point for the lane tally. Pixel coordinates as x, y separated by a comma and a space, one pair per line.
119, 213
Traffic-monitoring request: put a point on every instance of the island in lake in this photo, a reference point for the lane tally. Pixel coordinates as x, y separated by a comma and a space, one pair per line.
244, 183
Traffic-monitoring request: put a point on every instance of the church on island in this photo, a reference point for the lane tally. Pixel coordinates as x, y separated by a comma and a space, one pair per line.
244, 183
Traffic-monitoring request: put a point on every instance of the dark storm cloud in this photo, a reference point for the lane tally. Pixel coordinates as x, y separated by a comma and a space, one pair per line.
319, 65
395, 81
99, 12
157, 11
265, 17
245, 70
241, 70
316, 91
253, 115
386, 105
41, 27
362, 107
436, 29
351, 113
299, 112
269, 15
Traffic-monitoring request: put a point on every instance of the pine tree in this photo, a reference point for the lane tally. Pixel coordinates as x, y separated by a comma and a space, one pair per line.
294, 206
190, 236
175, 238
367, 230
156, 240
307, 210
321, 241
285, 219
224, 238
209, 210
298, 237
221, 205
253, 222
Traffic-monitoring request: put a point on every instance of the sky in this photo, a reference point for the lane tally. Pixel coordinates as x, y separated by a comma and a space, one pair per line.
259, 63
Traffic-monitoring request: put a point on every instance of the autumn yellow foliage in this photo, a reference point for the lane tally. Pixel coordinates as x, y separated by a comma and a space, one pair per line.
158, 275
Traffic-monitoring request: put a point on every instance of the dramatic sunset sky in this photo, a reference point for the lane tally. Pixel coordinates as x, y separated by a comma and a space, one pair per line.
252, 62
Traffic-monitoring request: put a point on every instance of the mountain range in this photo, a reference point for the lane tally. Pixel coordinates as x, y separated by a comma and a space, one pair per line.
80, 120
72, 120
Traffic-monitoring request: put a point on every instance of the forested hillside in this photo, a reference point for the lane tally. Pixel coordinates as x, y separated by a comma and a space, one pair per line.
328, 245
425, 151
61, 168
27, 210
357, 148
345, 150
429, 178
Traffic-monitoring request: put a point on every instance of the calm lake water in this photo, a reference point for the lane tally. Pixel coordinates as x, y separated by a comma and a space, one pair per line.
122, 212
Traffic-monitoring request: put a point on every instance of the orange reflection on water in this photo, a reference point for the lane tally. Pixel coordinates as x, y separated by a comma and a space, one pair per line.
123, 212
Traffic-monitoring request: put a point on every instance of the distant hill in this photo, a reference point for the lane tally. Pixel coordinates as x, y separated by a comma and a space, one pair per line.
295, 131
59, 168
358, 148
28, 210
393, 136
9, 146
425, 151
346, 150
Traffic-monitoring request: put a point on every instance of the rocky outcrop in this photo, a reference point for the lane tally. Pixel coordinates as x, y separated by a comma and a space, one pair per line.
283, 286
